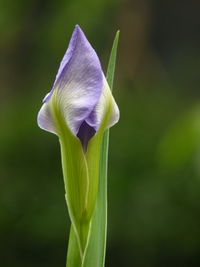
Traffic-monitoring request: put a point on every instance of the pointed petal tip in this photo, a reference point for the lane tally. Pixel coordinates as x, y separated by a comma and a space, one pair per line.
77, 27
78, 31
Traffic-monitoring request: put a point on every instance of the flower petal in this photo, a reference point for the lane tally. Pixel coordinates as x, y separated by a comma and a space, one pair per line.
44, 119
105, 104
64, 62
105, 112
80, 93
85, 133
78, 84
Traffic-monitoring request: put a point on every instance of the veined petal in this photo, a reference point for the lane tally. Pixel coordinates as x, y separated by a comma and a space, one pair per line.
106, 107
78, 85
44, 119
105, 114
80, 93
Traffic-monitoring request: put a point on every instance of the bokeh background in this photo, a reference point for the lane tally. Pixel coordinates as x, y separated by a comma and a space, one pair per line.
154, 167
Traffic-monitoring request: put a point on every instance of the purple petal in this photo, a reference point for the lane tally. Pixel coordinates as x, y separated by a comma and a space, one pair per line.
44, 119
82, 94
65, 61
85, 133
79, 81
106, 102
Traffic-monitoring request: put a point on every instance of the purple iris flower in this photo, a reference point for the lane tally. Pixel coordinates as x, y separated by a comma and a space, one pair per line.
80, 93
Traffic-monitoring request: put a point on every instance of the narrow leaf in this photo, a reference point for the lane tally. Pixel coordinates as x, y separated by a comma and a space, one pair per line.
97, 244
73, 253
112, 61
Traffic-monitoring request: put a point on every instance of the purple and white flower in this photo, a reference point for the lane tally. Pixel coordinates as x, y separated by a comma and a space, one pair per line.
78, 109
80, 93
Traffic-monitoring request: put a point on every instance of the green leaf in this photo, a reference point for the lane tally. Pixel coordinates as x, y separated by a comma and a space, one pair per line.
96, 246
73, 253
112, 62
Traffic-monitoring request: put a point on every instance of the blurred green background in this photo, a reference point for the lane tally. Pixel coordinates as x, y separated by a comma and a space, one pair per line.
154, 167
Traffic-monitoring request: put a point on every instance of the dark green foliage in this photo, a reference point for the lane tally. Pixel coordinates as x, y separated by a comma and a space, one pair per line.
153, 186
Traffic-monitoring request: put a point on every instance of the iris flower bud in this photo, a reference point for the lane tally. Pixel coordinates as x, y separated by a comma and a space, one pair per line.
78, 109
